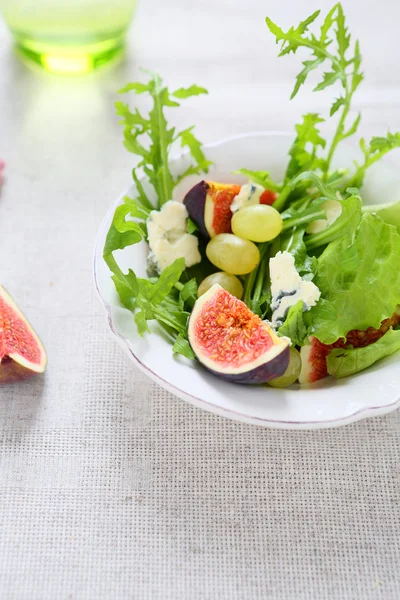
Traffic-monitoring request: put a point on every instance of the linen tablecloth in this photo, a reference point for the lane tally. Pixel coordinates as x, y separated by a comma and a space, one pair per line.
110, 487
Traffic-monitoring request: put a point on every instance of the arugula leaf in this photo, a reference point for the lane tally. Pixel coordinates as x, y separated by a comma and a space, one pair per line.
309, 65
308, 135
154, 300
344, 224
294, 326
188, 140
182, 346
343, 69
176, 319
329, 78
188, 293
124, 233
141, 322
126, 286
293, 38
374, 151
336, 105
116, 240
335, 178
293, 241
193, 90
151, 139
293, 218
384, 144
191, 226
147, 299
359, 280
136, 209
156, 292
138, 88
256, 288
261, 178
325, 189
303, 157
142, 197
342, 363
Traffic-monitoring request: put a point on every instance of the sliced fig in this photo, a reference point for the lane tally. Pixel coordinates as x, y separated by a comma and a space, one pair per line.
21, 352
208, 204
314, 354
313, 361
234, 343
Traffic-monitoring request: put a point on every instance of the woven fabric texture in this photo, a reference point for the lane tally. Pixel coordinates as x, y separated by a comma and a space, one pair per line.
111, 488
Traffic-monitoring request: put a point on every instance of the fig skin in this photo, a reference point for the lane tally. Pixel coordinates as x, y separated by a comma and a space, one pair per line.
272, 363
261, 374
195, 202
11, 371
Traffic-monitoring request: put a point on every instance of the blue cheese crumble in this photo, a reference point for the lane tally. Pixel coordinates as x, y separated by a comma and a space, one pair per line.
168, 237
287, 288
249, 194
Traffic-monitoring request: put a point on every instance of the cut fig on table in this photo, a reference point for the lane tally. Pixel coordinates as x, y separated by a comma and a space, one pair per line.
2, 165
22, 354
234, 343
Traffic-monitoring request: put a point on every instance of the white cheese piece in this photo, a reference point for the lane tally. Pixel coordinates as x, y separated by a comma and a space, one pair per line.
287, 287
168, 237
249, 194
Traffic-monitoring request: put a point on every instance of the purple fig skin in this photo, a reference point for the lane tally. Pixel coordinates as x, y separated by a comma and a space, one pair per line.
11, 371
195, 202
266, 365
261, 374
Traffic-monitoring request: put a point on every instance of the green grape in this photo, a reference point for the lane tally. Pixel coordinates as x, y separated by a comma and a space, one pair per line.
292, 372
232, 254
229, 282
259, 223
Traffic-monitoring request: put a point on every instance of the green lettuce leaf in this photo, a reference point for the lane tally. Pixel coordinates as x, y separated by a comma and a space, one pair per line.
342, 363
359, 279
390, 212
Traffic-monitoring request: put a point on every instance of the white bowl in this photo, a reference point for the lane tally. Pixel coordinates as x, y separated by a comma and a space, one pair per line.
330, 402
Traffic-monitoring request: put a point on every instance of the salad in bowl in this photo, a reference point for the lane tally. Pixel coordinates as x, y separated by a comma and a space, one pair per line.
262, 280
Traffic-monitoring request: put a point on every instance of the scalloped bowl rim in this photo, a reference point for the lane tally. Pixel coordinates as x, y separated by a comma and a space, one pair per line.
359, 414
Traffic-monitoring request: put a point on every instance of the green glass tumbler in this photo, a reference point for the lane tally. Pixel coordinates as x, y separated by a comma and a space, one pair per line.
68, 36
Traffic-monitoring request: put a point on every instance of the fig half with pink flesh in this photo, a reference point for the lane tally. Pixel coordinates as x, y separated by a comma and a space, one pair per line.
209, 206
234, 343
22, 353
